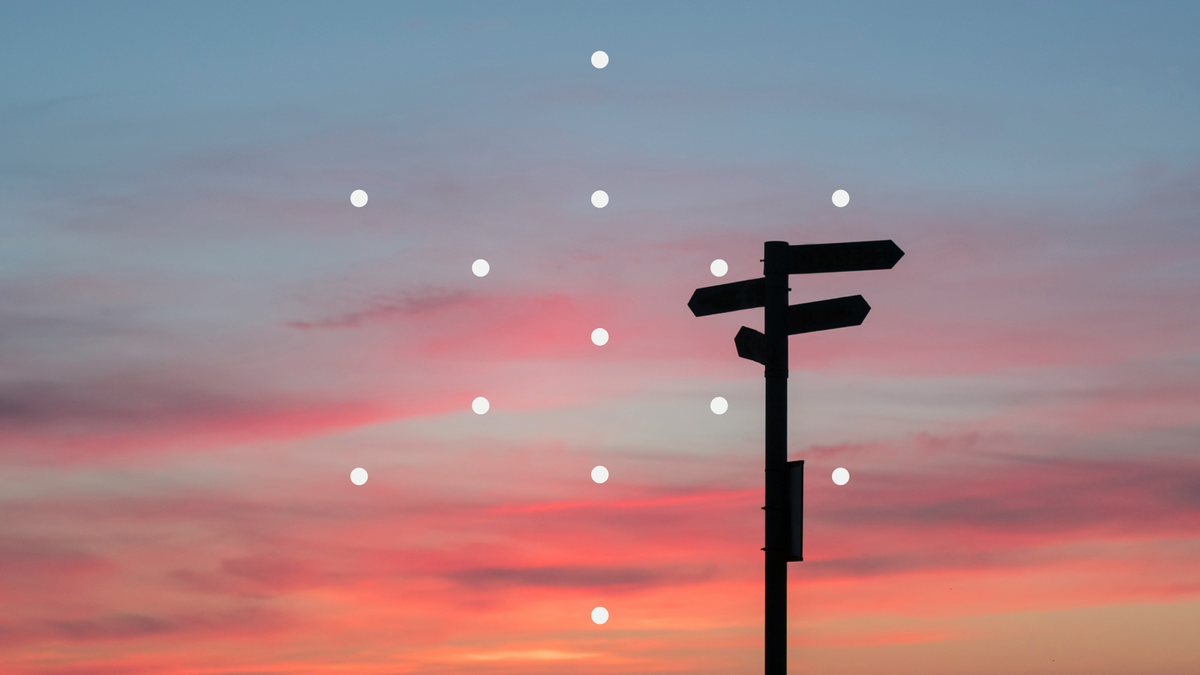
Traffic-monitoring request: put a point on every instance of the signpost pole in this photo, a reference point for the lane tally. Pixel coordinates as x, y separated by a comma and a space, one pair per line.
770, 348
775, 270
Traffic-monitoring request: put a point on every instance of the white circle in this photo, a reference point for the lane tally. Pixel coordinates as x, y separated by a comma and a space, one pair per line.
358, 476
841, 476
719, 405
358, 198
599, 59
480, 405
599, 337
599, 474
480, 267
841, 198
599, 615
718, 267
599, 199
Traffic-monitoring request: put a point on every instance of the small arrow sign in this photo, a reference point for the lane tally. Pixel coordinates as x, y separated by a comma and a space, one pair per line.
851, 256
826, 314
729, 297
752, 345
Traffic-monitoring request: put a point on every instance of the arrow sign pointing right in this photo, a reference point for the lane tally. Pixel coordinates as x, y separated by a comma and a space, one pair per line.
729, 297
804, 318
825, 314
852, 256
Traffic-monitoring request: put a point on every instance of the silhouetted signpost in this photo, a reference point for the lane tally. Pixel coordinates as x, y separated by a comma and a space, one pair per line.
785, 480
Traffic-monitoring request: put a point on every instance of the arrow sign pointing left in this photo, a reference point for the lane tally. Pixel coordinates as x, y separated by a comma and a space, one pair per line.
752, 345
826, 314
729, 297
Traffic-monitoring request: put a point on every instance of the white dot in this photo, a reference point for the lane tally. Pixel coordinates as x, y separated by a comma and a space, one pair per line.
599, 615
599, 336
358, 198
841, 476
599, 199
718, 268
719, 405
841, 198
480, 405
599, 474
599, 59
480, 267
358, 476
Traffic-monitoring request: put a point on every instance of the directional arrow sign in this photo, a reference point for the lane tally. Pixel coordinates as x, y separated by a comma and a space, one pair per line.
805, 318
851, 256
729, 297
752, 345
824, 315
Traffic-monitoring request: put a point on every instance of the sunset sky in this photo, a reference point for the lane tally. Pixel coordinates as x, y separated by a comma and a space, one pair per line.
200, 336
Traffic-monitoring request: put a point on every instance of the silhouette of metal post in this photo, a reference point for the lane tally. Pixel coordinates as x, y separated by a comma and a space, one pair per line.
775, 271
784, 479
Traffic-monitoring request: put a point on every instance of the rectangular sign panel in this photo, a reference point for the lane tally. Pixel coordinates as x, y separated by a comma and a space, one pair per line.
729, 297
826, 314
795, 510
854, 256
752, 345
